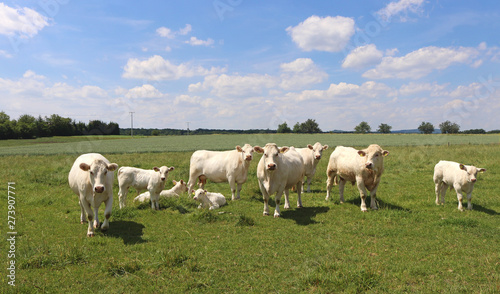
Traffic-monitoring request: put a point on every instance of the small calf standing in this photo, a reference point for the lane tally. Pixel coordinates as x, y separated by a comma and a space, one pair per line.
91, 178
141, 179
460, 177
208, 199
178, 188
311, 156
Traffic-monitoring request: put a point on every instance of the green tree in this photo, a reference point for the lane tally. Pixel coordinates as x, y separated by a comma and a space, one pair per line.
6, 127
297, 128
362, 128
448, 127
310, 126
283, 128
384, 128
426, 128
26, 126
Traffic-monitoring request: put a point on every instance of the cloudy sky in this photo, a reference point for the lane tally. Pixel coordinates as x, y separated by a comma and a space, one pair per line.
241, 64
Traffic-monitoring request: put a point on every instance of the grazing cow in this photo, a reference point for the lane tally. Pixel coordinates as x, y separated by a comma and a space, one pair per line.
363, 167
178, 188
279, 170
141, 179
221, 166
311, 156
458, 176
91, 178
209, 200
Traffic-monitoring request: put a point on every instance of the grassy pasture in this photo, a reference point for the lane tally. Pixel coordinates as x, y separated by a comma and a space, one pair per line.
408, 245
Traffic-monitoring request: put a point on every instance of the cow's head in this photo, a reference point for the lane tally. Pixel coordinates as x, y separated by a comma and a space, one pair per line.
246, 151
163, 171
181, 184
271, 155
374, 155
199, 195
471, 172
317, 150
98, 171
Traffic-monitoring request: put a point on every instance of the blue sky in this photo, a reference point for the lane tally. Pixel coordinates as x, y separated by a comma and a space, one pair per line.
240, 64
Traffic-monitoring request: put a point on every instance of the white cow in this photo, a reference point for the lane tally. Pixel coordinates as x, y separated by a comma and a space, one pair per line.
209, 200
178, 188
363, 167
279, 169
460, 177
311, 156
221, 166
91, 178
152, 180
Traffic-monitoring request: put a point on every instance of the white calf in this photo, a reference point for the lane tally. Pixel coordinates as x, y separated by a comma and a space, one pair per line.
141, 179
178, 188
311, 156
91, 178
460, 177
208, 199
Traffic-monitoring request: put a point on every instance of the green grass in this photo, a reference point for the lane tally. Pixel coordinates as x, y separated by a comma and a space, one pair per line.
123, 144
408, 245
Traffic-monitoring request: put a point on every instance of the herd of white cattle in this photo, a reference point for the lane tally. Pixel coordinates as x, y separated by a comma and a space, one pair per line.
279, 170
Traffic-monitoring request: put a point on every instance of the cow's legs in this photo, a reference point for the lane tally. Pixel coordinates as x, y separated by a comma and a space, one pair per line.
362, 192
373, 198
107, 212
90, 215
277, 198
97, 225
239, 190
265, 195
469, 201
309, 179
232, 184
299, 199
122, 196
287, 200
83, 219
438, 193
329, 183
460, 197
341, 189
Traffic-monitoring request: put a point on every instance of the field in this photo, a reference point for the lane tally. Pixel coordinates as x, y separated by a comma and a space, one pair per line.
408, 245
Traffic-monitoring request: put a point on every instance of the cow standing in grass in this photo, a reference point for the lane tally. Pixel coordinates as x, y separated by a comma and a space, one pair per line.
363, 167
91, 178
279, 170
458, 176
221, 166
311, 156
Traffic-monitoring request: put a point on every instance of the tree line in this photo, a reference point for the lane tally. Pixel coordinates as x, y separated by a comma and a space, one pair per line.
29, 127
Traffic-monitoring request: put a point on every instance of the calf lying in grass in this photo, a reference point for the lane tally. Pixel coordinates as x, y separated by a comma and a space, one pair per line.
208, 199
178, 188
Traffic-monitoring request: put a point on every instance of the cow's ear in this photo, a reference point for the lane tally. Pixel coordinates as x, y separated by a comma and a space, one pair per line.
482, 170
112, 167
192, 192
238, 148
205, 191
258, 149
462, 167
182, 182
84, 166
171, 168
156, 169
284, 149
325, 147
174, 182
361, 153
310, 146
385, 153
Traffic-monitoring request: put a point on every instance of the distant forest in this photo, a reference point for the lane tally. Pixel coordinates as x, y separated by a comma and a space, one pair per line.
29, 127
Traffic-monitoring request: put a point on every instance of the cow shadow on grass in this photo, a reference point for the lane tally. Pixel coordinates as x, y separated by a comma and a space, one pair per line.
304, 216
484, 209
130, 232
381, 204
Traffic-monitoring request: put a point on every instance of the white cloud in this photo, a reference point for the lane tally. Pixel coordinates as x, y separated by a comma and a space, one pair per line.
197, 42
342, 90
362, 57
329, 33
401, 8
185, 30
421, 62
157, 68
301, 73
236, 85
144, 91
168, 33
5, 54
433, 89
24, 22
